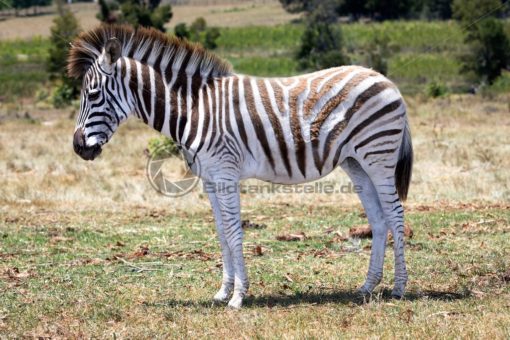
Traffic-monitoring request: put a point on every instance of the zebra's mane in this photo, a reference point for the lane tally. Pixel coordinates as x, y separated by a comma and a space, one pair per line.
146, 45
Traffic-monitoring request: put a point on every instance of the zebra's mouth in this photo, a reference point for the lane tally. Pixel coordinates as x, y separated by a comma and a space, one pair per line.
88, 153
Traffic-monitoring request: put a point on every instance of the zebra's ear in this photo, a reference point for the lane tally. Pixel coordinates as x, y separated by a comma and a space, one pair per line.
112, 51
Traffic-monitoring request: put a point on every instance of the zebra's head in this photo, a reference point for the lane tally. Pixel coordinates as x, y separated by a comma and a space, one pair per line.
101, 110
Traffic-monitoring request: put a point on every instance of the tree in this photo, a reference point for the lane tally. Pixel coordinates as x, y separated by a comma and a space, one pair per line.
489, 46
135, 12
322, 42
107, 11
64, 30
439, 9
489, 51
468, 11
5, 4
389, 9
199, 32
181, 31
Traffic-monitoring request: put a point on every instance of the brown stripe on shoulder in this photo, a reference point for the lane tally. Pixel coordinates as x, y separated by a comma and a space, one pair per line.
279, 97
295, 126
316, 95
275, 124
256, 121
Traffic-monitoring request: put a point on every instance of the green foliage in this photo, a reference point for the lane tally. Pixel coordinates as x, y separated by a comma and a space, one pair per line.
468, 11
388, 9
378, 51
490, 51
181, 31
22, 68
199, 32
5, 4
63, 95
321, 47
376, 9
489, 45
107, 11
65, 28
162, 147
135, 12
436, 89
435, 9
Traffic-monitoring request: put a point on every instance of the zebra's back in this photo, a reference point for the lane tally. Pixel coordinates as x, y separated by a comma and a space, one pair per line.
298, 129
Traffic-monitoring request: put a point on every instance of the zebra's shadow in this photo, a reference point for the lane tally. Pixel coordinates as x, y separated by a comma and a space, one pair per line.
343, 297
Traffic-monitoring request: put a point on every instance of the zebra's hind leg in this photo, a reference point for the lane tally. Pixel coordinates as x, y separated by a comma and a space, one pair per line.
370, 200
394, 218
227, 284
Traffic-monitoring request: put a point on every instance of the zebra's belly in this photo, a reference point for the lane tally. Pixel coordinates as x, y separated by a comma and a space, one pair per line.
280, 175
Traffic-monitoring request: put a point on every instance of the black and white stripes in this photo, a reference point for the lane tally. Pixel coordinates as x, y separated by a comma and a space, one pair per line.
285, 130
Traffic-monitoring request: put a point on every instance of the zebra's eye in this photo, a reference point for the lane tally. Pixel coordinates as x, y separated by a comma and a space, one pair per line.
93, 94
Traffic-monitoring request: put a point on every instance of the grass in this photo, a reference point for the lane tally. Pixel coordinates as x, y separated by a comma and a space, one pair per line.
89, 274
73, 234
424, 52
22, 67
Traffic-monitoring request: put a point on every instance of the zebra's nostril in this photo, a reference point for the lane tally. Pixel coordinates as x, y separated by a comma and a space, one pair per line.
78, 140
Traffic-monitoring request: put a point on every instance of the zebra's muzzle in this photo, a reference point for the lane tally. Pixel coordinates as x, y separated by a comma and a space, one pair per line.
88, 153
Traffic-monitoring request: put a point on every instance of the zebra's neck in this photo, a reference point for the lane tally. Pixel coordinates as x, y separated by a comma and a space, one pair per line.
165, 99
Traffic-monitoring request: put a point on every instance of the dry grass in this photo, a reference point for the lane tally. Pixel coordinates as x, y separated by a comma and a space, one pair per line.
461, 146
228, 14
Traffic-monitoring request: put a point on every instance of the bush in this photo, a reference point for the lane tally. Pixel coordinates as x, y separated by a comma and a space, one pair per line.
65, 28
181, 31
378, 51
199, 32
135, 12
162, 147
490, 51
436, 89
63, 95
321, 47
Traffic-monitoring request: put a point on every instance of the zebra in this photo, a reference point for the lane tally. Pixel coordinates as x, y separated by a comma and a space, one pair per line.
281, 130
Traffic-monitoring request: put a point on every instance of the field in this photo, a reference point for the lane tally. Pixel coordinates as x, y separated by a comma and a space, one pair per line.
135, 264
90, 250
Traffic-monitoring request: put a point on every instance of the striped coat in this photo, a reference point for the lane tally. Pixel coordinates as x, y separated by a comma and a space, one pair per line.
282, 130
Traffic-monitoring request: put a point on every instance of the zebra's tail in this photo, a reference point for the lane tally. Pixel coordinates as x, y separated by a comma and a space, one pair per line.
404, 168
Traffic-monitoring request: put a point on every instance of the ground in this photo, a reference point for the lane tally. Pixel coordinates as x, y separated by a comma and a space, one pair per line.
90, 250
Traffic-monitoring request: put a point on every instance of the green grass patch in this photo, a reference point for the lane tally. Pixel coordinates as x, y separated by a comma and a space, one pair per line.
22, 67
424, 52
134, 273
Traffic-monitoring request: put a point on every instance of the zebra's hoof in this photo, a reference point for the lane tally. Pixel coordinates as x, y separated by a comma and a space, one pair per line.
364, 292
221, 296
236, 302
397, 294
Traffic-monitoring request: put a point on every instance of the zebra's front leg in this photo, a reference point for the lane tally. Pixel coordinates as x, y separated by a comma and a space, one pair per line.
227, 283
227, 196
